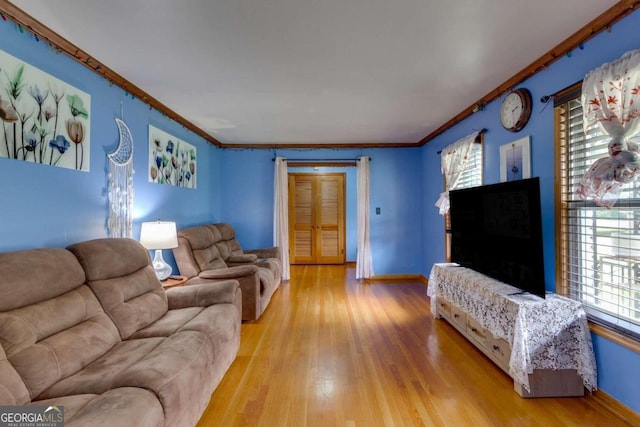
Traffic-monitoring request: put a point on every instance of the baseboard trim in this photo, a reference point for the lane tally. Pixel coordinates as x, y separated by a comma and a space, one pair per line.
398, 277
616, 407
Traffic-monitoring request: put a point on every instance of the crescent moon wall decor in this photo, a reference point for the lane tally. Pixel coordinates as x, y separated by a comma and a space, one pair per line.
120, 185
124, 152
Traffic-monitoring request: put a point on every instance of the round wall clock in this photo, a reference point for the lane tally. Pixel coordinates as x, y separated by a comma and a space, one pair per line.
516, 110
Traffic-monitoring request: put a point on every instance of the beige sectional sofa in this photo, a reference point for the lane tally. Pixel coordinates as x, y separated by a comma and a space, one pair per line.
211, 252
90, 328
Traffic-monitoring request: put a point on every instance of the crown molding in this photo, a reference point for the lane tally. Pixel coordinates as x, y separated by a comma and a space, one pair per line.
297, 145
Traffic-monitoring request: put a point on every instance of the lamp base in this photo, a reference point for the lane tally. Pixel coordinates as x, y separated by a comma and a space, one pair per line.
162, 269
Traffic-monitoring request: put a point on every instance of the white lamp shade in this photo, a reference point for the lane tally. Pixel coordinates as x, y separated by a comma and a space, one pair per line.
159, 235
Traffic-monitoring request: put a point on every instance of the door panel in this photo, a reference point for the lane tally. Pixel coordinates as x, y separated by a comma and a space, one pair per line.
316, 218
303, 244
331, 211
329, 202
330, 244
301, 219
303, 202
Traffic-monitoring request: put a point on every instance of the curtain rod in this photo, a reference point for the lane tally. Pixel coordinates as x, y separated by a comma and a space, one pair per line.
320, 160
563, 95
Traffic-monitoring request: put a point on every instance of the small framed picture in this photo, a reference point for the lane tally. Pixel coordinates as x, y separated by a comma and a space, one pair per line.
515, 160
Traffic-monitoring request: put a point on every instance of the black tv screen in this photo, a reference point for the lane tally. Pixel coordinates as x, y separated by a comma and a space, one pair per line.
497, 230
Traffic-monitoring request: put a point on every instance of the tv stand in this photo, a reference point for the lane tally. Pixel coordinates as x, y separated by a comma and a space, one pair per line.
543, 344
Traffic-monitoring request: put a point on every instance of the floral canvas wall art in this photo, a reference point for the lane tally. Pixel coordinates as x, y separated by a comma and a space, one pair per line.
44, 120
171, 160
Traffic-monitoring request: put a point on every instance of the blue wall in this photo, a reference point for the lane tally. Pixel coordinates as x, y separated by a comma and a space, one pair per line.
396, 187
46, 206
617, 375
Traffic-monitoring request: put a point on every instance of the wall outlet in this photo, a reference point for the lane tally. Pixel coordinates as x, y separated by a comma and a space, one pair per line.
377, 211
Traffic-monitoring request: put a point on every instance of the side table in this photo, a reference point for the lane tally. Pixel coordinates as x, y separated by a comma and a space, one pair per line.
174, 281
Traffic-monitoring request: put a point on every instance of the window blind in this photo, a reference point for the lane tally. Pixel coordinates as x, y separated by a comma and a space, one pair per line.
598, 248
470, 177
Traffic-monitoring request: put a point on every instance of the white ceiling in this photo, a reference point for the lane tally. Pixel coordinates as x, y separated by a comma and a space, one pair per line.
316, 71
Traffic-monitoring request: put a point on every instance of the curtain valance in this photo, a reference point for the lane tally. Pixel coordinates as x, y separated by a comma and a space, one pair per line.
611, 99
453, 161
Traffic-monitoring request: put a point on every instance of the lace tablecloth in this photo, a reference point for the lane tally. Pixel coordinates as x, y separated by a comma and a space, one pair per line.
549, 333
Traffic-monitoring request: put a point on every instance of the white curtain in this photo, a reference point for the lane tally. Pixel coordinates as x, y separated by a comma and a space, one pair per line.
281, 213
364, 266
453, 161
611, 98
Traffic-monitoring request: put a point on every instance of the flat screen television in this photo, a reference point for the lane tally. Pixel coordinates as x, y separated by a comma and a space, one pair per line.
497, 230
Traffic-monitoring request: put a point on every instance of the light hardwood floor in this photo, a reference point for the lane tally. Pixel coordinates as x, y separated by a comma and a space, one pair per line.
332, 351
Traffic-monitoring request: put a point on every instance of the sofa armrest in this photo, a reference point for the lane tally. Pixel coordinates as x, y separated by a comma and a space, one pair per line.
203, 295
250, 285
273, 252
242, 259
229, 273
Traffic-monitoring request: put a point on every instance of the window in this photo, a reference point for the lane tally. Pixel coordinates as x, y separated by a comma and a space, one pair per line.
471, 176
597, 249
472, 173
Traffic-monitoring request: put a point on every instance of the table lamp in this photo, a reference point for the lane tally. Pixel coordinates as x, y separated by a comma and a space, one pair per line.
159, 235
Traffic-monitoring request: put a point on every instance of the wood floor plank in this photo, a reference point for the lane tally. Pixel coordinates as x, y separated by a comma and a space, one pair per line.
334, 351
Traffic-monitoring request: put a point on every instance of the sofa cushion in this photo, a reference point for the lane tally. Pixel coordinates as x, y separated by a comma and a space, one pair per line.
13, 391
209, 258
31, 276
124, 406
119, 272
223, 250
182, 371
72, 404
221, 323
198, 245
228, 245
51, 324
168, 324
226, 230
100, 376
217, 236
117, 257
45, 347
210, 308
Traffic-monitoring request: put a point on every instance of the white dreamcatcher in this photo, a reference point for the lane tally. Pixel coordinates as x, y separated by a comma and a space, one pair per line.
120, 185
